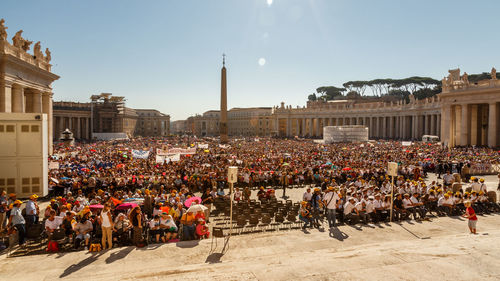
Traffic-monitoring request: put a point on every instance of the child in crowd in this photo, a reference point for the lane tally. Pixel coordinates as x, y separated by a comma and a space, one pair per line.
471, 215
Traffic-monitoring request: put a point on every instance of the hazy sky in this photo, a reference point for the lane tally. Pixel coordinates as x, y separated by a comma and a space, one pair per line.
167, 54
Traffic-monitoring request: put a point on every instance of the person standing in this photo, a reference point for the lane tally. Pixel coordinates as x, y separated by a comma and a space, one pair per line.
32, 210
136, 219
106, 226
471, 215
207, 200
330, 199
16, 220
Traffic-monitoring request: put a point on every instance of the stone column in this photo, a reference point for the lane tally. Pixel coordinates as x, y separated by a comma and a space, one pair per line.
320, 127
433, 124
303, 129
391, 127
47, 109
78, 128
37, 102
492, 124
384, 127
311, 127
438, 125
17, 99
404, 122
5, 97
297, 127
464, 125
288, 123
445, 124
473, 124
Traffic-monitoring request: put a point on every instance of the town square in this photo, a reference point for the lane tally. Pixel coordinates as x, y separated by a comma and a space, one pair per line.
249, 140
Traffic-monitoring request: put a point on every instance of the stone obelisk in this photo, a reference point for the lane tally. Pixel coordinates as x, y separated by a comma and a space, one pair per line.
223, 103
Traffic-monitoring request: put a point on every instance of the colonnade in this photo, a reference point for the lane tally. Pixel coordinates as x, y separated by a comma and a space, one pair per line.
79, 126
405, 127
472, 124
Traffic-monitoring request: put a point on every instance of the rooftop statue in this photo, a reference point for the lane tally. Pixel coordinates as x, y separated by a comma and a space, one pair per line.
48, 57
37, 50
493, 73
465, 78
3, 30
26, 45
18, 40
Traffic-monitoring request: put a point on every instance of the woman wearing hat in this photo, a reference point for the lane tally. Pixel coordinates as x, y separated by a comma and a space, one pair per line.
16, 220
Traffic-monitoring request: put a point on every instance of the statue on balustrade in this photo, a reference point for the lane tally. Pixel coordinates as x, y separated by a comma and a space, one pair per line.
412, 98
18, 40
37, 51
3, 30
26, 45
465, 78
48, 56
493, 73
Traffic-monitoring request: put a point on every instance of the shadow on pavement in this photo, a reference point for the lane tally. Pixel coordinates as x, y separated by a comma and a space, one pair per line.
75, 267
187, 244
119, 255
337, 234
214, 258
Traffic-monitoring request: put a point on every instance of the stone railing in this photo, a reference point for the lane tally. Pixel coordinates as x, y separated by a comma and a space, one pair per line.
351, 107
483, 84
7, 48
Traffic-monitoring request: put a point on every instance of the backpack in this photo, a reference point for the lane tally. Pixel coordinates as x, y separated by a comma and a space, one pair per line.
52, 247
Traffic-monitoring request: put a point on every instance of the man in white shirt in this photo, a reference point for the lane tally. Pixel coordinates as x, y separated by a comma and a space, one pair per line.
361, 208
330, 201
350, 212
408, 206
419, 206
475, 185
370, 209
445, 204
307, 195
448, 179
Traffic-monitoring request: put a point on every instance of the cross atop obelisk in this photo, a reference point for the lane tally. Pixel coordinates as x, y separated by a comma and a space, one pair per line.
223, 103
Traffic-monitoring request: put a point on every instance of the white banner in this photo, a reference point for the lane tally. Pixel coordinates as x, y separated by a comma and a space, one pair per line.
182, 151
53, 165
224, 146
168, 158
203, 145
161, 151
406, 143
140, 154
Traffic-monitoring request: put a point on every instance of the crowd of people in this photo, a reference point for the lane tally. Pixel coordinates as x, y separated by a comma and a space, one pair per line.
100, 191
366, 201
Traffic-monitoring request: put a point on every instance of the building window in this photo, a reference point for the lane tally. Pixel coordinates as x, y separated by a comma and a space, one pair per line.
25, 128
35, 129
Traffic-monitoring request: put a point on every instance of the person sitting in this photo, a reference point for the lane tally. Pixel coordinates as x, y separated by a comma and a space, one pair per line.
350, 211
155, 230
445, 204
68, 223
52, 223
202, 230
237, 194
407, 204
399, 210
305, 215
82, 230
261, 194
419, 206
121, 229
168, 227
